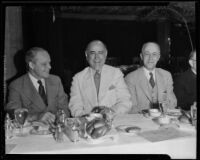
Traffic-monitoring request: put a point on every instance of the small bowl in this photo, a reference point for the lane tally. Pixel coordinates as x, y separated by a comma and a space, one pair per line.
154, 112
164, 120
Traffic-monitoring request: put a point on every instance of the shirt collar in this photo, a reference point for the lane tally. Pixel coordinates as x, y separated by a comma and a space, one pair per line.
146, 71
35, 81
94, 71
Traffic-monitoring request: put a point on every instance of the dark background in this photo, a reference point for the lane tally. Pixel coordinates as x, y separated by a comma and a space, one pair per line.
66, 38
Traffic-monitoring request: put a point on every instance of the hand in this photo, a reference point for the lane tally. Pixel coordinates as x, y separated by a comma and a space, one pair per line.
48, 118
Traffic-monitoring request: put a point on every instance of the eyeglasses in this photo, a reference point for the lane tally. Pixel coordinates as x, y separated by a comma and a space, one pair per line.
153, 55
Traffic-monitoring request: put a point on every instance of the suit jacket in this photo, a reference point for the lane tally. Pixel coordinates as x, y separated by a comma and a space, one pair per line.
113, 91
185, 89
23, 94
138, 87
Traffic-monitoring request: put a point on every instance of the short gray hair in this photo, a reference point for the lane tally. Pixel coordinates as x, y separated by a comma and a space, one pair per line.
147, 43
192, 53
31, 53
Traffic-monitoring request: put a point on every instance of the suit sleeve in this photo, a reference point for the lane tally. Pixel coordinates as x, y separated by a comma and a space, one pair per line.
76, 103
180, 92
172, 101
132, 89
62, 98
123, 104
14, 100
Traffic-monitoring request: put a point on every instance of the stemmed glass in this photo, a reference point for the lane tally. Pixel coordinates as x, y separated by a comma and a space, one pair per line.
20, 117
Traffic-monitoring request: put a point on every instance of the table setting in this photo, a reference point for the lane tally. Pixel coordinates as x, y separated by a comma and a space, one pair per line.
101, 129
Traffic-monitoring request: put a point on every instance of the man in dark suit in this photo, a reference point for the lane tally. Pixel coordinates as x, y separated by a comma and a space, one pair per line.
185, 85
38, 91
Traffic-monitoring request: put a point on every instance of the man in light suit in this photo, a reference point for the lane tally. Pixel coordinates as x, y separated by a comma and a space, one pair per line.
149, 84
41, 98
98, 84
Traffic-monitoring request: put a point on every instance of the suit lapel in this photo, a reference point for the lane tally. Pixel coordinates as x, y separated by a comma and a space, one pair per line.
106, 78
50, 89
160, 84
31, 92
144, 84
89, 88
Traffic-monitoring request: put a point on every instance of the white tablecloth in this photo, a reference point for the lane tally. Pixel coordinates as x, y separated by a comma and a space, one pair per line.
182, 147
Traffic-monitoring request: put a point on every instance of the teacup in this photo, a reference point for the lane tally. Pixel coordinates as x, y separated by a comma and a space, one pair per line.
154, 112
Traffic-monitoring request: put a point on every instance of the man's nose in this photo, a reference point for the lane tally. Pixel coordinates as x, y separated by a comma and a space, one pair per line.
49, 66
96, 56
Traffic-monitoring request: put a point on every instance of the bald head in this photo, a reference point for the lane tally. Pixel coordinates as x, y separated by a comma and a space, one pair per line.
148, 45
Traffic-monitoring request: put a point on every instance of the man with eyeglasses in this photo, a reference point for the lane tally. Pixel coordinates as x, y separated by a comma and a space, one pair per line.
150, 85
185, 84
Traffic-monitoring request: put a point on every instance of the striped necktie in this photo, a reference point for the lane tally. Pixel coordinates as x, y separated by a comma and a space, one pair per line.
42, 92
97, 77
151, 80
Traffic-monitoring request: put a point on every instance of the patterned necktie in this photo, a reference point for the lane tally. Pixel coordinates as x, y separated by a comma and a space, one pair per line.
151, 80
97, 80
42, 92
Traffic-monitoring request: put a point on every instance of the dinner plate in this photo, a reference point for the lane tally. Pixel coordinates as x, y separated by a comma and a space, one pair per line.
128, 129
174, 112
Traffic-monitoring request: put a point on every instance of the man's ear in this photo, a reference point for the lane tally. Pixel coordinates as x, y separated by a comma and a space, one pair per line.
141, 56
31, 65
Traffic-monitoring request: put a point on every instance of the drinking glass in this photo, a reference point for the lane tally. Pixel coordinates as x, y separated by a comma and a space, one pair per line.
20, 117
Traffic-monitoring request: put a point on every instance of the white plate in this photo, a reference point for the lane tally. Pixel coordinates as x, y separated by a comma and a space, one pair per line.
174, 112
128, 129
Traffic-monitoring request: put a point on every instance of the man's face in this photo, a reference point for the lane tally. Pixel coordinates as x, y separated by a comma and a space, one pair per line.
96, 55
41, 65
192, 62
150, 56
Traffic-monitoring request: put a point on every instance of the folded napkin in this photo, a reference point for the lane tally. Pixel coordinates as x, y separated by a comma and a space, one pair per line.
163, 134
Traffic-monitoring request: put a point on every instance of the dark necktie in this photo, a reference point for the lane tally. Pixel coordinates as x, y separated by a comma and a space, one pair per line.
97, 80
42, 92
151, 80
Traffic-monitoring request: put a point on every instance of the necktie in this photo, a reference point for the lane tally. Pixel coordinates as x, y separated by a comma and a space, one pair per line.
42, 92
151, 80
97, 80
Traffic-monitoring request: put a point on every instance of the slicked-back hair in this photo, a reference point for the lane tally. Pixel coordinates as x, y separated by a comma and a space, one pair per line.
95, 41
192, 53
31, 53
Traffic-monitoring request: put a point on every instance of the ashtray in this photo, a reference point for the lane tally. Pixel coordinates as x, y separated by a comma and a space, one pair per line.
128, 129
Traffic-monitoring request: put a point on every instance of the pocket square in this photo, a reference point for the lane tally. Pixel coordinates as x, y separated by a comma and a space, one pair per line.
111, 87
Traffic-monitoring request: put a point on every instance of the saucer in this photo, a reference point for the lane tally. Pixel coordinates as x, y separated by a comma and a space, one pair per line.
128, 129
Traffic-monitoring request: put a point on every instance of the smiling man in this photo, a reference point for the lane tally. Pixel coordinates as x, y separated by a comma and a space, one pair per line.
38, 92
98, 85
149, 84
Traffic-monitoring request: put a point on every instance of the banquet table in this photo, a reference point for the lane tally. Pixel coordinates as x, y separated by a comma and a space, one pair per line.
181, 147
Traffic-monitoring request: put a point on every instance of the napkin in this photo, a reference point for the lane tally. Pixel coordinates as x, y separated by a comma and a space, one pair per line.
163, 134
10, 147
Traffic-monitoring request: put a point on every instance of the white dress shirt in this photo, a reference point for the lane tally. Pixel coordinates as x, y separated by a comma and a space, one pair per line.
35, 82
146, 72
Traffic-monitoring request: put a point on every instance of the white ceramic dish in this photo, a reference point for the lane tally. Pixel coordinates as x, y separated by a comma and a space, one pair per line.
154, 113
174, 112
128, 129
162, 120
